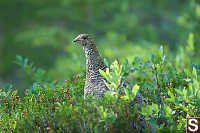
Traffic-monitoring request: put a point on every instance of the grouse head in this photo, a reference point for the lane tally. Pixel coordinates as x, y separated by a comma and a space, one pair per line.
83, 39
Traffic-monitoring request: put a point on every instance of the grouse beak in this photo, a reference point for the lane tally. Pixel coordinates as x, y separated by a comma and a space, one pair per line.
74, 40
77, 40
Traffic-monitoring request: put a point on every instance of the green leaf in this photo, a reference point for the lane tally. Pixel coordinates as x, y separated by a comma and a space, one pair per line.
155, 107
25, 62
194, 72
135, 90
14, 92
19, 60
168, 111
147, 110
124, 97
103, 73
190, 42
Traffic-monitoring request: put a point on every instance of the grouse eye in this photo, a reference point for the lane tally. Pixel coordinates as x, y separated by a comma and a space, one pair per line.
84, 37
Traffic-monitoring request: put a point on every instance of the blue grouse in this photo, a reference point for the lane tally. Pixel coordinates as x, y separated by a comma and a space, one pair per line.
95, 82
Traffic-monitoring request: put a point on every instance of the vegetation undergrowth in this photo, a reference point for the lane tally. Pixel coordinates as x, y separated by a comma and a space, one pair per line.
171, 88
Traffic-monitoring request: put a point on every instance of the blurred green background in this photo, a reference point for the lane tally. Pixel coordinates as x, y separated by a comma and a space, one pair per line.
42, 31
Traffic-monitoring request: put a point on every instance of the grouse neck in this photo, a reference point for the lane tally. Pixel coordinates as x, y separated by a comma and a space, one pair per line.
93, 59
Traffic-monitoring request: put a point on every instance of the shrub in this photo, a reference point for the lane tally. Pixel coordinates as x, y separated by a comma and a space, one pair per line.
171, 91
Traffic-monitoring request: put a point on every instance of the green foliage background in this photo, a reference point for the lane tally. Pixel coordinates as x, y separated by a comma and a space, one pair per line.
42, 31
42, 73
